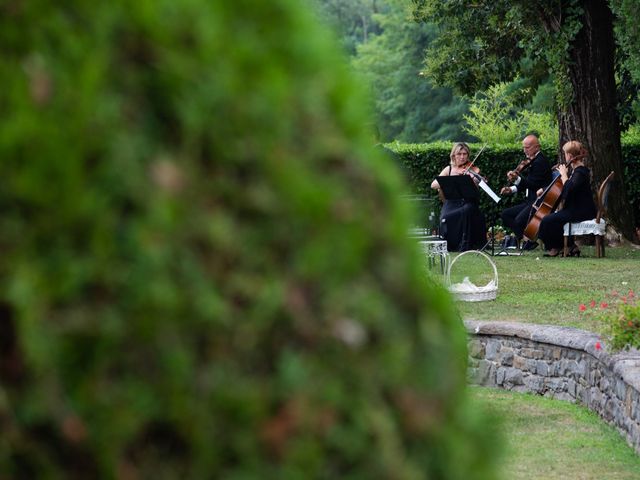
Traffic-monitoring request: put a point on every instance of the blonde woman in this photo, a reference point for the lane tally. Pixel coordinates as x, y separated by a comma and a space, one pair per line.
462, 223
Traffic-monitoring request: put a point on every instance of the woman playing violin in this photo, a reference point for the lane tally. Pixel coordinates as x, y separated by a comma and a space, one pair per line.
462, 223
577, 197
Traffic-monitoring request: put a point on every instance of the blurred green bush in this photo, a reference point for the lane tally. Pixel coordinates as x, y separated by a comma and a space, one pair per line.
205, 269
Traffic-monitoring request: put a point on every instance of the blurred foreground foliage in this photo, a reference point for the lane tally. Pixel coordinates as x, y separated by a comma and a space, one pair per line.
204, 265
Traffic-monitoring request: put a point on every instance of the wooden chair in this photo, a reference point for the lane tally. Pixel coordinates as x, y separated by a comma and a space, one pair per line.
597, 226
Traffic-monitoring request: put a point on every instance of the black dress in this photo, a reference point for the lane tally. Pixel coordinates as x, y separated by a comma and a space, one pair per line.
578, 207
462, 225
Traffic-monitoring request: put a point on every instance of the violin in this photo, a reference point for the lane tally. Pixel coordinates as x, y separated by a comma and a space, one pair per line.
521, 167
469, 167
475, 171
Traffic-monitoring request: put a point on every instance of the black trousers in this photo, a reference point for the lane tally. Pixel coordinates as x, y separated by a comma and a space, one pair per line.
551, 229
516, 218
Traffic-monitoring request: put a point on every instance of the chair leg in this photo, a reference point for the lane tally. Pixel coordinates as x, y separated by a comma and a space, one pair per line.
598, 246
566, 246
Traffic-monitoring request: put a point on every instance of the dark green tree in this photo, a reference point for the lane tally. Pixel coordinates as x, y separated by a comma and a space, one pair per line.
205, 269
628, 34
408, 107
483, 42
352, 20
627, 61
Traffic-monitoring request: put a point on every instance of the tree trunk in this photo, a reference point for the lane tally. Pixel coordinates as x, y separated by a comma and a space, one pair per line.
591, 116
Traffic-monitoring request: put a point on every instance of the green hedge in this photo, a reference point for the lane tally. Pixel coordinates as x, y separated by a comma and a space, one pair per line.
631, 161
421, 163
205, 267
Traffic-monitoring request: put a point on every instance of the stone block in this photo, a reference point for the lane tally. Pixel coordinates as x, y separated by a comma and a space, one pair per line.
555, 384
572, 388
506, 356
534, 353
534, 383
492, 348
476, 349
486, 373
513, 376
542, 368
519, 362
620, 389
564, 397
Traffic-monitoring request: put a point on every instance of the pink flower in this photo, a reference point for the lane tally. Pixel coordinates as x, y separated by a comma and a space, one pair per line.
614, 293
592, 304
598, 346
624, 299
604, 305
582, 307
631, 294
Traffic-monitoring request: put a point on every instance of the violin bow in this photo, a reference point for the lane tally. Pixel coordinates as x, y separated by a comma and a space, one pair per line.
474, 160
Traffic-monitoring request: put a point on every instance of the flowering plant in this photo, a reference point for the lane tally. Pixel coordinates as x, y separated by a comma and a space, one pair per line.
620, 317
498, 232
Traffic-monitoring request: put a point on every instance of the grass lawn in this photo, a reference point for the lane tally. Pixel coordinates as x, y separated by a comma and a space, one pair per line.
544, 438
551, 439
538, 289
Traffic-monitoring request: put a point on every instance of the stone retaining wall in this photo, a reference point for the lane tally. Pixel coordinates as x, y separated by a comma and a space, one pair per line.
558, 362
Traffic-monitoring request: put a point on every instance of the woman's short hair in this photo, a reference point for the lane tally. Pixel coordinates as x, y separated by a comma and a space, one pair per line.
574, 147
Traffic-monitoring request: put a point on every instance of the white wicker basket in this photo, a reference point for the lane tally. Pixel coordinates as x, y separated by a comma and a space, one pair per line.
467, 291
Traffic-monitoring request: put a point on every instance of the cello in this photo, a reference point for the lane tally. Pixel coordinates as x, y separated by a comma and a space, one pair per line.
546, 203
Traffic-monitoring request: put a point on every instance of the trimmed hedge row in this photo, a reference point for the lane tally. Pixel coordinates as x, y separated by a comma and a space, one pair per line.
421, 163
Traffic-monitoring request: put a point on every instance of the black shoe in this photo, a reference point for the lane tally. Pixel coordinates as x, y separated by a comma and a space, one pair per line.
529, 245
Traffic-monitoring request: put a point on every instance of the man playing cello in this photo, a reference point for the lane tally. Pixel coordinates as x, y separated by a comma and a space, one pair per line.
538, 176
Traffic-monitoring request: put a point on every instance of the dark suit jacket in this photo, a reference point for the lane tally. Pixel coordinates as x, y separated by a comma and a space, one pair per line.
538, 175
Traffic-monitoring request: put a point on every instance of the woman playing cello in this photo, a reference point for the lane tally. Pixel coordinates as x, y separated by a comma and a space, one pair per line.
577, 197
462, 223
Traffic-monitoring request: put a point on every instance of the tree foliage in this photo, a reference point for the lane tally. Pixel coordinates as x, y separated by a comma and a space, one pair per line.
495, 118
205, 265
482, 43
352, 19
409, 108
628, 34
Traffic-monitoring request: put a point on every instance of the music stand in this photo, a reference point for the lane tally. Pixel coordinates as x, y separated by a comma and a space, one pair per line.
462, 187
458, 187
